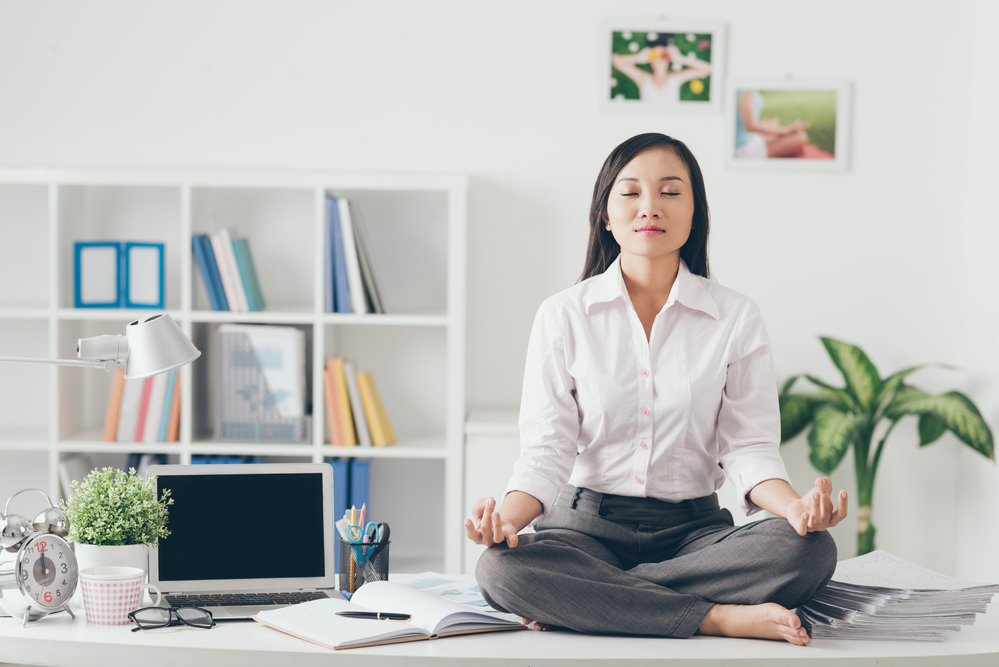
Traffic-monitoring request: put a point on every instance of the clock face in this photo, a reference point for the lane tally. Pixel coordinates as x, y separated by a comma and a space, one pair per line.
47, 571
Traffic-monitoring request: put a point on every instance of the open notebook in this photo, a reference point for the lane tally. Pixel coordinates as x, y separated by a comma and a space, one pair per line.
433, 616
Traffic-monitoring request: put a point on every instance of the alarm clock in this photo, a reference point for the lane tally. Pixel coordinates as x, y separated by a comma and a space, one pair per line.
38, 569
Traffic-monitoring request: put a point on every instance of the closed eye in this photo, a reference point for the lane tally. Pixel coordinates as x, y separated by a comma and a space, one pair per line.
670, 194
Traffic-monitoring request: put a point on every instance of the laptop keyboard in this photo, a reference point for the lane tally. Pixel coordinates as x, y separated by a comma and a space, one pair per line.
243, 599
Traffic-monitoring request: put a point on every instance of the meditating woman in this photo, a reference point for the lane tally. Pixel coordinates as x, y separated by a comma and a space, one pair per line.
670, 69
646, 384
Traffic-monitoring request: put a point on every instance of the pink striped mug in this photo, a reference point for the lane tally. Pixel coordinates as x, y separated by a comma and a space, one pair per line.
110, 594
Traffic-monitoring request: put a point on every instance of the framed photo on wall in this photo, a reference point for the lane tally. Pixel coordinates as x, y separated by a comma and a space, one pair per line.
650, 65
788, 124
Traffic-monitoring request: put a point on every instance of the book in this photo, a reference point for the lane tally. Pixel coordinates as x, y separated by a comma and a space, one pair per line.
329, 286
343, 402
114, 405
206, 276
140, 421
248, 270
234, 273
341, 492
382, 433
433, 617
356, 407
364, 255
879, 596
333, 424
171, 380
225, 273
358, 303
360, 482
340, 283
128, 415
214, 273
173, 428
154, 410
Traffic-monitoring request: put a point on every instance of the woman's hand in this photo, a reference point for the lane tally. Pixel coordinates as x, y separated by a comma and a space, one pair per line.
814, 511
487, 526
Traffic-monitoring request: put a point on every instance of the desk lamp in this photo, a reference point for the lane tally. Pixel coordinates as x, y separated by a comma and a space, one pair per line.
150, 346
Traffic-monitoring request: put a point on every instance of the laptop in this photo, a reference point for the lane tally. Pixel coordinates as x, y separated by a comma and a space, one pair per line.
245, 538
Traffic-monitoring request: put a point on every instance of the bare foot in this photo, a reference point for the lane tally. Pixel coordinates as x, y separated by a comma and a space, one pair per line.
540, 627
760, 621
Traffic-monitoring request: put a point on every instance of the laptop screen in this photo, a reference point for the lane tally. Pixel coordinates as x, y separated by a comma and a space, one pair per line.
253, 526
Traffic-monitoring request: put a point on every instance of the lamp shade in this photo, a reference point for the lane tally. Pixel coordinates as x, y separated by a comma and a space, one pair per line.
156, 344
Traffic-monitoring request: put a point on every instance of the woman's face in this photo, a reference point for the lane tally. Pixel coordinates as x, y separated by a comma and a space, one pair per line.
651, 206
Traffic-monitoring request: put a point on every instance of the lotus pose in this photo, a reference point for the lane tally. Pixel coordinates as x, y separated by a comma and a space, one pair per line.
647, 384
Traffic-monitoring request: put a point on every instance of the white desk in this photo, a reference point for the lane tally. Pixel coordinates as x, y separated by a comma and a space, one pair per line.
59, 640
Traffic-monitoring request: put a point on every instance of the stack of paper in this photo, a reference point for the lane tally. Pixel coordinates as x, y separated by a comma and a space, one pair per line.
881, 596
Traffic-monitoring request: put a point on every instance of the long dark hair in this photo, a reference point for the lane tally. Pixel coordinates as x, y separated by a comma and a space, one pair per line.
602, 248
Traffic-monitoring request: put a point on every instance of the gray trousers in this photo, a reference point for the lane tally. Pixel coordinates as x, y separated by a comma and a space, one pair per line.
618, 565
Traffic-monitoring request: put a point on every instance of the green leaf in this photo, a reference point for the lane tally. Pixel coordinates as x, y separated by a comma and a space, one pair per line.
954, 409
862, 379
795, 414
788, 384
831, 436
838, 397
930, 428
893, 382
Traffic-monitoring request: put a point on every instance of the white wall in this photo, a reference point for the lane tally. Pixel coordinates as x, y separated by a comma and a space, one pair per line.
892, 255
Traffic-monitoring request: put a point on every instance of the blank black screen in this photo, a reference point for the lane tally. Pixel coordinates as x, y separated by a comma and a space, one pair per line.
243, 527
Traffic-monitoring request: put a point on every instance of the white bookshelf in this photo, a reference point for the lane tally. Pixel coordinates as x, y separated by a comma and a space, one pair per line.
416, 352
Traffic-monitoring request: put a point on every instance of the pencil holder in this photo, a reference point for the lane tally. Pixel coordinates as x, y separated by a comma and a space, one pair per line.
360, 564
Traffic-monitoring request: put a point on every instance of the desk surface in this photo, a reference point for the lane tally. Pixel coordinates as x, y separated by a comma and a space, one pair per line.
59, 640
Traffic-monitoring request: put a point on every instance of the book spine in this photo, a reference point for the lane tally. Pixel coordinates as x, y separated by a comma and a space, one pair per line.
329, 296
230, 259
371, 284
360, 423
339, 262
341, 492
251, 269
225, 273
214, 272
114, 405
360, 473
140, 424
199, 256
154, 413
173, 430
343, 401
358, 302
171, 381
332, 411
237, 251
131, 399
381, 430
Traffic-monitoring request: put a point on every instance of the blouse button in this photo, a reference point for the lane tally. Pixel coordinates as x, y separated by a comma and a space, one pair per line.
638, 479
645, 445
645, 413
645, 373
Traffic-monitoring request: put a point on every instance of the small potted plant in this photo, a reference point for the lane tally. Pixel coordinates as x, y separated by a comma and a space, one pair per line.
114, 517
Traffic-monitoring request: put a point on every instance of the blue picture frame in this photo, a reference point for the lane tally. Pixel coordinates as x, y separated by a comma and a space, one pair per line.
143, 285
94, 264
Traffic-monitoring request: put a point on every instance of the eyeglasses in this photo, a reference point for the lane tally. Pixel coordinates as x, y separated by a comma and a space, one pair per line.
149, 618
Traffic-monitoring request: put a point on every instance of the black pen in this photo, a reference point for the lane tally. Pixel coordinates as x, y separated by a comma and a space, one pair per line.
375, 615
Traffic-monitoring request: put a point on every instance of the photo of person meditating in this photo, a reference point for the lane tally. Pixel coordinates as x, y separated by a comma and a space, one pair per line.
646, 384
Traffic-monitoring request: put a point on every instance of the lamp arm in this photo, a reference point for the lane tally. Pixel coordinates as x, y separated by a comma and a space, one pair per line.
108, 365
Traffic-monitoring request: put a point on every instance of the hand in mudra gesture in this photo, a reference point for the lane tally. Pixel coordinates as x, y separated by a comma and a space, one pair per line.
814, 511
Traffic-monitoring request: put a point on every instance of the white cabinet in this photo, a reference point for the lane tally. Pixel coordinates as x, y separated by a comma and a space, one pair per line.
416, 352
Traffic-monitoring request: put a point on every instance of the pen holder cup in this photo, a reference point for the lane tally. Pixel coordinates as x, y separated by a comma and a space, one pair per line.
359, 564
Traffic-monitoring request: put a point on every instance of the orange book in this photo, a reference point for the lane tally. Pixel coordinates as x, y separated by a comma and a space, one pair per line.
173, 429
114, 405
343, 402
332, 411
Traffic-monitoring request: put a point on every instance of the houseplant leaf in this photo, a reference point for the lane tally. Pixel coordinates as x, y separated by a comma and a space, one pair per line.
795, 414
930, 428
953, 409
831, 437
862, 379
893, 382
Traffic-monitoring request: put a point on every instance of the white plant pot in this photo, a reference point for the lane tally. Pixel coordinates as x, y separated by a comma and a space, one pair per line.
129, 555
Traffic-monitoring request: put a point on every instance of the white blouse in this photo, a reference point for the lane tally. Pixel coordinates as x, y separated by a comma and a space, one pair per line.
669, 417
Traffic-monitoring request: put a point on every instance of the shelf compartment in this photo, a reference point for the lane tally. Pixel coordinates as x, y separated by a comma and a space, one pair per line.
24, 218
280, 226
119, 213
24, 392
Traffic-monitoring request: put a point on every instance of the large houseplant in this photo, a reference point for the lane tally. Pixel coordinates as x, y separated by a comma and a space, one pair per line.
850, 416
113, 515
